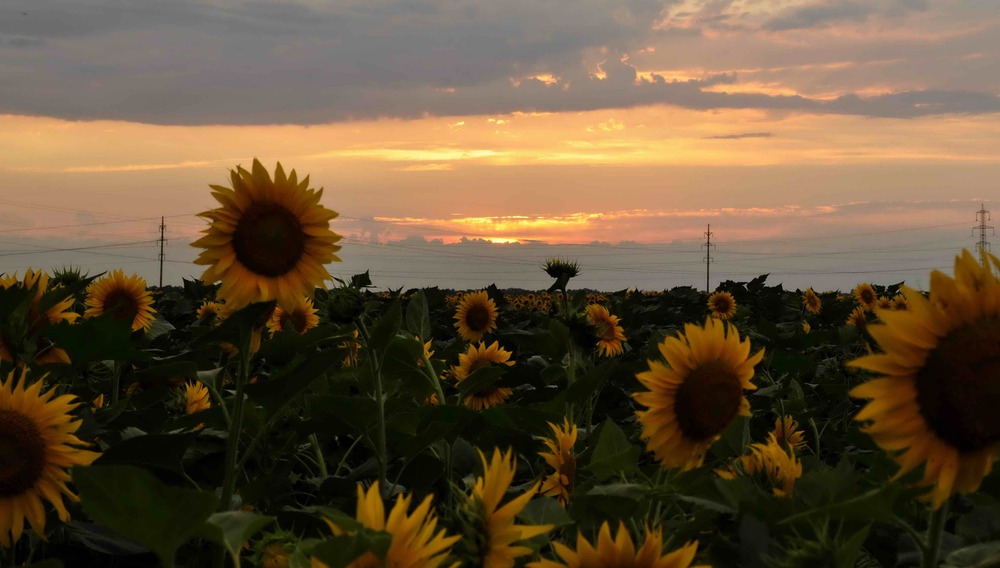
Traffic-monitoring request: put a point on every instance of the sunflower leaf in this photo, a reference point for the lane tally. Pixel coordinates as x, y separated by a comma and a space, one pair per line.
418, 319
232, 529
137, 505
339, 551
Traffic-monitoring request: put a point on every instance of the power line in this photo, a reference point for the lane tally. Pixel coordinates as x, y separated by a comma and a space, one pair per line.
982, 216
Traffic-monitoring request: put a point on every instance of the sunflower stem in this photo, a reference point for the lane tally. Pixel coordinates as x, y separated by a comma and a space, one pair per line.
219, 401
116, 379
236, 426
380, 444
935, 530
918, 538
435, 381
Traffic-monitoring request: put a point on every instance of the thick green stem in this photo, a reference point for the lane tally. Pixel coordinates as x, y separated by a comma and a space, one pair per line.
935, 529
219, 401
380, 444
570, 378
116, 380
435, 381
235, 428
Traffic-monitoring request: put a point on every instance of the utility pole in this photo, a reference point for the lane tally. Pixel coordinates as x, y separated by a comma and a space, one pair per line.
162, 241
984, 246
708, 257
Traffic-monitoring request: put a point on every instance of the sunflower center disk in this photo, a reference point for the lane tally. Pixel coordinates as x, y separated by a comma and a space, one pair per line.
269, 240
22, 453
120, 305
477, 317
958, 389
708, 400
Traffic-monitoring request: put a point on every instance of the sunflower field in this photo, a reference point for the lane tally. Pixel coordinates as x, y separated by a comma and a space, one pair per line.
272, 414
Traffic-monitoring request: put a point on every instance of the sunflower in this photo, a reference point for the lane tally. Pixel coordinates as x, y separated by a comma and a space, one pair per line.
619, 552
936, 396
196, 397
476, 316
559, 483
899, 302
865, 295
778, 466
806, 328
477, 357
883, 303
811, 302
722, 305
212, 312
609, 333
123, 299
491, 535
786, 432
45, 352
37, 446
857, 318
269, 240
415, 544
696, 394
353, 347
301, 317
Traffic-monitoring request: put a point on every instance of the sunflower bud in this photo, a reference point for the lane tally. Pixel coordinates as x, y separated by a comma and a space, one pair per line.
344, 305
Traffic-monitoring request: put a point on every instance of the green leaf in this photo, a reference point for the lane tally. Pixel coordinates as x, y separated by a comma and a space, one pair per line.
985, 554
479, 380
591, 383
545, 511
288, 383
613, 452
163, 451
876, 505
134, 503
232, 529
340, 551
418, 319
386, 328
95, 339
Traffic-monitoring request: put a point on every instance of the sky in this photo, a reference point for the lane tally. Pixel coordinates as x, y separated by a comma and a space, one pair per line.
463, 142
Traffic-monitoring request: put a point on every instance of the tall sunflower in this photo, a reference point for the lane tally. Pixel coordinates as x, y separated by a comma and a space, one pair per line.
858, 318
696, 394
935, 399
477, 357
269, 240
610, 335
196, 397
619, 551
722, 305
865, 295
476, 316
37, 446
560, 482
899, 302
491, 535
212, 312
121, 298
60, 311
811, 302
415, 544
301, 317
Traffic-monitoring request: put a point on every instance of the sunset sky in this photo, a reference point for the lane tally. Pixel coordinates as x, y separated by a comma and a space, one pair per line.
465, 141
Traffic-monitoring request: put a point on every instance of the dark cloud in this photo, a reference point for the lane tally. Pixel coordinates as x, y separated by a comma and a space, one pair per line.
741, 136
205, 62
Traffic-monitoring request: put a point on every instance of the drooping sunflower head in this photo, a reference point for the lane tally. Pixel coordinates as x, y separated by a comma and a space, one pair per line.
610, 334
37, 446
865, 295
475, 316
560, 268
811, 302
787, 434
858, 318
773, 464
722, 305
938, 387
196, 398
490, 533
301, 318
696, 393
478, 357
121, 298
559, 483
415, 542
619, 551
269, 240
